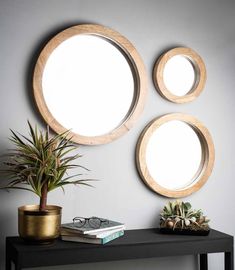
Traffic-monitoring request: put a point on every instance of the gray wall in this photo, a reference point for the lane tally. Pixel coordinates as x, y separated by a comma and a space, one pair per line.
152, 26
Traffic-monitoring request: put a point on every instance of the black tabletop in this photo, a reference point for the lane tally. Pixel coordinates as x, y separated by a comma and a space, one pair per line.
131, 237
143, 243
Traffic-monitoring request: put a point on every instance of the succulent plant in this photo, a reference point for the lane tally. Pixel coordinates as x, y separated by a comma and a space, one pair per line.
180, 215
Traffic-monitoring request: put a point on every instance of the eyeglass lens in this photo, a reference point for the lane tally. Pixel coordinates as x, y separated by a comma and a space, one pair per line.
94, 222
79, 222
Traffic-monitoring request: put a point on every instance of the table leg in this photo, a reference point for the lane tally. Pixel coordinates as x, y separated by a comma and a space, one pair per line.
7, 260
8, 264
203, 262
228, 260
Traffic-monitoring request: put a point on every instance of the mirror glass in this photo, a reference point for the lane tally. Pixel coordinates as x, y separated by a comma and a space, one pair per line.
88, 85
179, 75
174, 155
91, 80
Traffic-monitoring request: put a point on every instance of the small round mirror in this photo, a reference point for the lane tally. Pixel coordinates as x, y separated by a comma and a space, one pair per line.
179, 75
175, 155
89, 79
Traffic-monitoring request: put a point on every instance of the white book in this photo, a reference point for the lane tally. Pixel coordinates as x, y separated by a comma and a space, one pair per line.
70, 232
84, 239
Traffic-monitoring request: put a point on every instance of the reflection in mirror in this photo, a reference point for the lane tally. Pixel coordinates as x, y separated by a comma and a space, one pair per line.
179, 75
91, 80
175, 155
88, 85
174, 145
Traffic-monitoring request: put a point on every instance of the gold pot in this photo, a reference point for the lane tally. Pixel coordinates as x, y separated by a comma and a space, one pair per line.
39, 226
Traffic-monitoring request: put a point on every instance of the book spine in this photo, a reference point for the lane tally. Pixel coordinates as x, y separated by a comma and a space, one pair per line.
112, 237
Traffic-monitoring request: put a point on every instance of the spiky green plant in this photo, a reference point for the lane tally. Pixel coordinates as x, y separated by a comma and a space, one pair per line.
180, 214
39, 163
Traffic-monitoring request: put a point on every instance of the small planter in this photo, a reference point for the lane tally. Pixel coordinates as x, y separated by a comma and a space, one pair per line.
184, 231
39, 226
179, 218
39, 164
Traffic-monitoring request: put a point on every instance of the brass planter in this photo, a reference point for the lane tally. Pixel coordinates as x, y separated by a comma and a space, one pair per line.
39, 226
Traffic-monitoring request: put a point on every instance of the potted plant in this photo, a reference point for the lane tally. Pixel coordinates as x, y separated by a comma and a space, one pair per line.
39, 164
179, 218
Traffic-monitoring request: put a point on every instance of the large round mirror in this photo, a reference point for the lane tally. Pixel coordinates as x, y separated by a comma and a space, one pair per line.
175, 155
179, 75
89, 79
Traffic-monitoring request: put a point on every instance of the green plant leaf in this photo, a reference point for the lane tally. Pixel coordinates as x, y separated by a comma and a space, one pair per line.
187, 205
41, 158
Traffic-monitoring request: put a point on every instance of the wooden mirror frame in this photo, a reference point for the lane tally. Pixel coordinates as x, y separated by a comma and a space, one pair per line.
207, 158
199, 68
136, 65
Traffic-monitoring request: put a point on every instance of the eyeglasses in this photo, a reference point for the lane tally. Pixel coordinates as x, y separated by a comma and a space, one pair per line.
93, 222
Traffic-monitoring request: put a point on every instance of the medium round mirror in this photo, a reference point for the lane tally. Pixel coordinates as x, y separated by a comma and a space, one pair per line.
90, 80
179, 75
175, 155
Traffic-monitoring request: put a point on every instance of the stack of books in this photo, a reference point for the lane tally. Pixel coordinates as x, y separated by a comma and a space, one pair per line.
87, 234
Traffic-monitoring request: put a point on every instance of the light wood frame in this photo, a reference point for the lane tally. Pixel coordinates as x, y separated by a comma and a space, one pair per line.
136, 64
200, 71
207, 159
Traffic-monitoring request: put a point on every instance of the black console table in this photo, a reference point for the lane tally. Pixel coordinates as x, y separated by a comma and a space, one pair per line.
135, 244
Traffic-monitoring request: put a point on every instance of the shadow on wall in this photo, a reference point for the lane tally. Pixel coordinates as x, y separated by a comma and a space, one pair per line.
6, 216
5, 223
